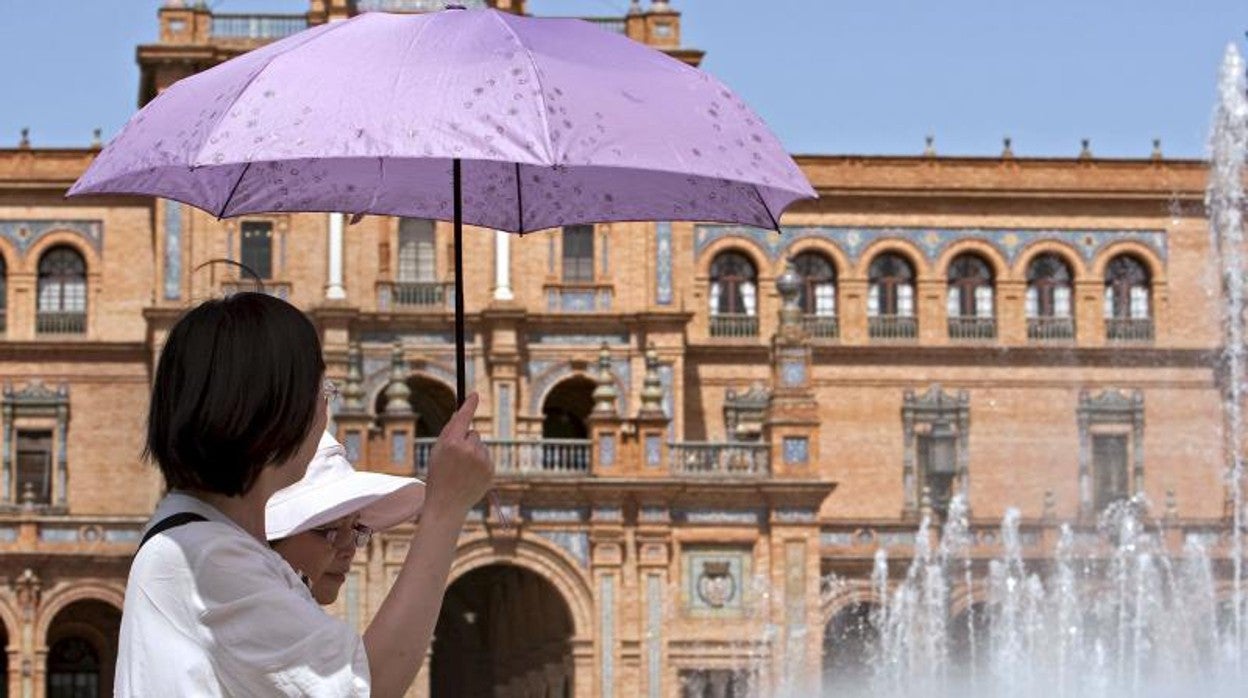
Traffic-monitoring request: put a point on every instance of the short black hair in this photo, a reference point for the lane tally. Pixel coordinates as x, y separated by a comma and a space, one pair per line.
236, 390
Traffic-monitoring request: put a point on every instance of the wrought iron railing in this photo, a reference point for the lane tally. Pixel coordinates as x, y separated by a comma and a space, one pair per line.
734, 326
821, 326
892, 328
1129, 330
706, 459
972, 328
257, 26
60, 323
1050, 329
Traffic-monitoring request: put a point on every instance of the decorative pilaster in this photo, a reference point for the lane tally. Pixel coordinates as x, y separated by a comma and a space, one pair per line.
398, 422
791, 425
604, 421
652, 421
353, 419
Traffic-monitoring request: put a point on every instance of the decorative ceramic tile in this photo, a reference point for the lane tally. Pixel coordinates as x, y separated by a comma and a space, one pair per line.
1009, 242
796, 450
23, 234
663, 263
606, 450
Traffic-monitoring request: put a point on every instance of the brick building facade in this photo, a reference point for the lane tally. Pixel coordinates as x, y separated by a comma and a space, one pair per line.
689, 437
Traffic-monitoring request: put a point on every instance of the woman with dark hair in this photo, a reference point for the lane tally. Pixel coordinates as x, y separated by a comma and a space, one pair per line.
238, 408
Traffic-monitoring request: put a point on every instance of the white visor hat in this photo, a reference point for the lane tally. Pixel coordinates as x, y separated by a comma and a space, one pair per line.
332, 489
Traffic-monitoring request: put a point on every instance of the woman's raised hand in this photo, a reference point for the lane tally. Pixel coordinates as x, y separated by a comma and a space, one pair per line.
460, 471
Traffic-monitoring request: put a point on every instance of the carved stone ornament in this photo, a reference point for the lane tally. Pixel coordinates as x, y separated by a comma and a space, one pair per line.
716, 587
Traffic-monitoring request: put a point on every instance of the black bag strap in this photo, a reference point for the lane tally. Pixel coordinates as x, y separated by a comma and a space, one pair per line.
169, 522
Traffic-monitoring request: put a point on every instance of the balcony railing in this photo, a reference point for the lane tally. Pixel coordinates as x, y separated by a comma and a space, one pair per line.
277, 289
700, 459
407, 295
821, 326
262, 27
972, 329
734, 326
50, 323
1050, 329
1129, 330
544, 457
892, 328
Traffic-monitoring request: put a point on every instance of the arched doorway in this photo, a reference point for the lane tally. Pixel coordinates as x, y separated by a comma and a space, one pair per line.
850, 645
433, 402
504, 632
82, 650
565, 424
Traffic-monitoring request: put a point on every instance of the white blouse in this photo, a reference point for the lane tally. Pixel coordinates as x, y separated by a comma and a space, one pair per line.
211, 611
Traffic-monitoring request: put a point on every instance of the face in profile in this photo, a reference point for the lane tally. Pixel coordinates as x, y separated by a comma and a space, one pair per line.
323, 555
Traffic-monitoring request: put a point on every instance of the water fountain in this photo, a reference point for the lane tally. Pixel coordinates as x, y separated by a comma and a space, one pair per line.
1128, 609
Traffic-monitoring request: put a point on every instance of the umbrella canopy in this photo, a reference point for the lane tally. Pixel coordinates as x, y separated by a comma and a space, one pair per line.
554, 122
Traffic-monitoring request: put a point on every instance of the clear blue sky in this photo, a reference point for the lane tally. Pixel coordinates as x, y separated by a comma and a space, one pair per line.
829, 76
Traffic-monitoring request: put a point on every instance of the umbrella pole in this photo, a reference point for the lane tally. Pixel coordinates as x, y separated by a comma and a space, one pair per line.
461, 377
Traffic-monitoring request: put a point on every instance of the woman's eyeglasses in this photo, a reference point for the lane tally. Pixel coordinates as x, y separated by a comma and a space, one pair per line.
362, 534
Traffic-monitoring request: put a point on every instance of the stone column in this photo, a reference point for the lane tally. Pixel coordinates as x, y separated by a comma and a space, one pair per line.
502, 266
334, 289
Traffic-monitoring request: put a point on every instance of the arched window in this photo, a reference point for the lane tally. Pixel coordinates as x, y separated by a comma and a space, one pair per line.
1050, 299
892, 287
971, 303
1127, 289
733, 285
62, 299
970, 287
817, 295
1128, 300
734, 296
1049, 288
73, 669
890, 298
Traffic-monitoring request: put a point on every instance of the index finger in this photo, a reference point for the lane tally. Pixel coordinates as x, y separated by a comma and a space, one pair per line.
459, 422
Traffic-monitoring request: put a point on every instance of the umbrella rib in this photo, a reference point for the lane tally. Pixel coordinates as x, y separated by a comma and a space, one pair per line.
246, 85
225, 206
775, 225
537, 76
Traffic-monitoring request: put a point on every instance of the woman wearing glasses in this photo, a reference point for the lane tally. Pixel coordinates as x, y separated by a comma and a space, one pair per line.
318, 523
238, 409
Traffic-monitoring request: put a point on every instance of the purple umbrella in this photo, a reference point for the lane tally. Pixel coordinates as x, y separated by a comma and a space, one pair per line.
475, 116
